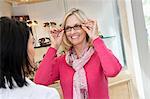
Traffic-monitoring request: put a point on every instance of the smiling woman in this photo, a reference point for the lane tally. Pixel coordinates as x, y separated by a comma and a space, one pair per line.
108, 20
87, 62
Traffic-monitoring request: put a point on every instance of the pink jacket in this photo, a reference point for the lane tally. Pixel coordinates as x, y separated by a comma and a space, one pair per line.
102, 64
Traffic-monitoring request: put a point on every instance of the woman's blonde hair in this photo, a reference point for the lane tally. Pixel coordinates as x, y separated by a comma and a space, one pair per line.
66, 45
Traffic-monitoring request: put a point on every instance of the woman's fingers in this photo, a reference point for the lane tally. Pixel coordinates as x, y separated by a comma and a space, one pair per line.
51, 37
56, 38
55, 31
85, 28
90, 26
57, 35
88, 21
61, 33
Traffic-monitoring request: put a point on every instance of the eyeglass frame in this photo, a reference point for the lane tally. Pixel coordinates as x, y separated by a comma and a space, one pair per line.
75, 27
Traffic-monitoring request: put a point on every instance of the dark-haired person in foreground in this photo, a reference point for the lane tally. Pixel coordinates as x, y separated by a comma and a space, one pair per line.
16, 61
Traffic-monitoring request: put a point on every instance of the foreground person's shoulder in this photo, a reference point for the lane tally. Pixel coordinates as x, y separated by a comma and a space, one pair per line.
43, 92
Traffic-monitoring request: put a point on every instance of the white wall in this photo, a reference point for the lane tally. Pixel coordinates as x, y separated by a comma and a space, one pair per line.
139, 46
142, 45
5, 8
42, 12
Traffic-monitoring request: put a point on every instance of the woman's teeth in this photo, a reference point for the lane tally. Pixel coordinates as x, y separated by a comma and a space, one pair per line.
74, 37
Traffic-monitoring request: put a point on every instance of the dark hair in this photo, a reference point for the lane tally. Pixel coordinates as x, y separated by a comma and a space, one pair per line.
14, 62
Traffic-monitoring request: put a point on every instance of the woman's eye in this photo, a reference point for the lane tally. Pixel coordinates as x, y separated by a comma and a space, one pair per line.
76, 27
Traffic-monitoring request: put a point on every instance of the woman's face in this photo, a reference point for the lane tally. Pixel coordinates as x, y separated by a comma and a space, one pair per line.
74, 33
31, 51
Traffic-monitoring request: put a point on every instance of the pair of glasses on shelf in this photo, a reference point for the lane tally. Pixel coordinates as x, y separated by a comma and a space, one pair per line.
48, 24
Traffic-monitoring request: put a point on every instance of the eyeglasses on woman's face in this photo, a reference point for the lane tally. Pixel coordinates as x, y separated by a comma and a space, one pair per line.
75, 27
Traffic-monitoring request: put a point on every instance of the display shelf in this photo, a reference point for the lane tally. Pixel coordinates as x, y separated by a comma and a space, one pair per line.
107, 36
102, 36
46, 45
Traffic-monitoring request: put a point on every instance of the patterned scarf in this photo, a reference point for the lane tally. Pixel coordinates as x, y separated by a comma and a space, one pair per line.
80, 88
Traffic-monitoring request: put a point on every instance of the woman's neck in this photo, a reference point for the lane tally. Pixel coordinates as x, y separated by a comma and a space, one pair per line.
80, 47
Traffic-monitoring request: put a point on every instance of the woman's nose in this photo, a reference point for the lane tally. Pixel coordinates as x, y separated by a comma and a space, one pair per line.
72, 30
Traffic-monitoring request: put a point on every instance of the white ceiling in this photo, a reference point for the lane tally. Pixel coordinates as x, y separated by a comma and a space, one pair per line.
18, 2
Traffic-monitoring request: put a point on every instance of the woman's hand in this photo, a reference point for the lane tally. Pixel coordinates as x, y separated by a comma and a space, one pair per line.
56, 36
90, 26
